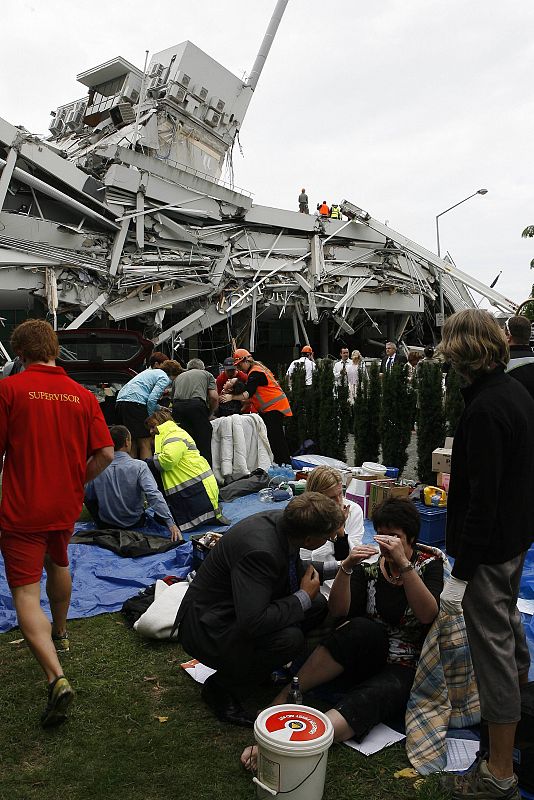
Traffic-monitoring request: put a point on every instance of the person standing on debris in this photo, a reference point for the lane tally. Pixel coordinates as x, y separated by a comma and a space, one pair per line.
194, 398
138, 398
267, 399
521, 365
489, 531
323, 209
303, 202
55, 439
335, 211
307, 361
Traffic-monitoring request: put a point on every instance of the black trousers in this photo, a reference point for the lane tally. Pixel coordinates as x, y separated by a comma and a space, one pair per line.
247, 662
375, 690
274, 422
194, 417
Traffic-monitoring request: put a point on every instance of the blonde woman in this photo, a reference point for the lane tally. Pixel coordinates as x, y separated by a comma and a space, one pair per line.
356, 369
327, 481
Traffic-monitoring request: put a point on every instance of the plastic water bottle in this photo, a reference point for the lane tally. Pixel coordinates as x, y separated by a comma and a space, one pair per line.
295, 695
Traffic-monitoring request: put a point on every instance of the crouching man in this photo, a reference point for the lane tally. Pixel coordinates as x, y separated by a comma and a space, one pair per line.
252, 603
115, 499
55, 439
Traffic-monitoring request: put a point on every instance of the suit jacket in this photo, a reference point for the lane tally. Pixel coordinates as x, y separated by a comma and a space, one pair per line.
398, 359
242, 590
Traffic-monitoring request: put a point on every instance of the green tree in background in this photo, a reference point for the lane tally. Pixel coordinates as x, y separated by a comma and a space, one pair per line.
290, 424
454, 401
328, 421
430, 418
527, 309
396, 417
314, 403
367, 417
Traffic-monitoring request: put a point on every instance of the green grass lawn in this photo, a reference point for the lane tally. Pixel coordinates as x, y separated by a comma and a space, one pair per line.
114, 745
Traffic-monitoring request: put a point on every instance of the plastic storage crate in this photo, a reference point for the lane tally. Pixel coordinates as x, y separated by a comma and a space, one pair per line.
433, 524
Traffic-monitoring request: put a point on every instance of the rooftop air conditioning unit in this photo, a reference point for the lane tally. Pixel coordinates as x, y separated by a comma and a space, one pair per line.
217, 104
76, 117
200, 92
57, 123
176, 93
155, 71
183, 79
212, 117
123, 114
130, 93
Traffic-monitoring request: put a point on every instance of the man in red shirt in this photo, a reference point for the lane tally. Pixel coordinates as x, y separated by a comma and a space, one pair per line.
55, 439
230, 372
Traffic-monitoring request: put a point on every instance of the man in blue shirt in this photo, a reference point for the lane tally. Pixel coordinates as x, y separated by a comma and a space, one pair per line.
118, 500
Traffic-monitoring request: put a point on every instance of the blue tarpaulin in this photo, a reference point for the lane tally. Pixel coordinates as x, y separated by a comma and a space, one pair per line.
102, 581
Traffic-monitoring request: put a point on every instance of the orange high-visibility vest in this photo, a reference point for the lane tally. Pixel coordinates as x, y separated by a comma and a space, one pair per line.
270, 397
324, 211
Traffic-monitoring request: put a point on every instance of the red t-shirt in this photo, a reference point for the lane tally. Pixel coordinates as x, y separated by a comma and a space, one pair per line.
49, 426
221, 379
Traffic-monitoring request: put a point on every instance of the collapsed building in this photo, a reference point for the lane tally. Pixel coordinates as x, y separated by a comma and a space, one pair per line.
127, 215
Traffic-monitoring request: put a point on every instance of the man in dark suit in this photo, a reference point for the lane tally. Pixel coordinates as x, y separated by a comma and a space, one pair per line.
517, 330
253, 600
391, 358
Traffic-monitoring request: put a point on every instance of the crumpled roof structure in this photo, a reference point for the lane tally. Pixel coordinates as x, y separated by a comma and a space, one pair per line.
122, 212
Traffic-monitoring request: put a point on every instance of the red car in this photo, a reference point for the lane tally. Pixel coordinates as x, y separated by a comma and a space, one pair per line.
103, 360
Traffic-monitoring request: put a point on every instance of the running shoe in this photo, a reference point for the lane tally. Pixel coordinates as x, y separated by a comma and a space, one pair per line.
62, 643
60, 696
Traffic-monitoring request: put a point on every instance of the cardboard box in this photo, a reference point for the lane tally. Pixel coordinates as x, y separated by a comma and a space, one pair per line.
362, 501
444, 480
382, 490
441, 457
361, 486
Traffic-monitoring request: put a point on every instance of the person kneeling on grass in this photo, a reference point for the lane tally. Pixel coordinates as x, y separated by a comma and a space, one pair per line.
187, 482
115, 499
389, 605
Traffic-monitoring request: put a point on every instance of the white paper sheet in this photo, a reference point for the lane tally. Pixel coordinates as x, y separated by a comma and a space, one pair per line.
199, 672
377, 739
460, 754
525, 606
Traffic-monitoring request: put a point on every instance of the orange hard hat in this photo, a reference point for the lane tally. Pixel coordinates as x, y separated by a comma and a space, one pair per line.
306, 349
240, 354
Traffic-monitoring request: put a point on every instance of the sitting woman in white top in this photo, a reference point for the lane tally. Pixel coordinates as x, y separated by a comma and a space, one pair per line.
327, 481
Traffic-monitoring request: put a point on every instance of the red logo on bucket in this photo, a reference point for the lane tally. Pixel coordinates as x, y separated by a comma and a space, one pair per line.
304, 727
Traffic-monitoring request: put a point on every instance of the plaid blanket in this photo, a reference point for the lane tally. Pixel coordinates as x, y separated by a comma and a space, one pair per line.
444, 694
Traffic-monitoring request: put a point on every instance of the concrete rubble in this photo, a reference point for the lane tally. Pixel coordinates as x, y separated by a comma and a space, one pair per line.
122, 213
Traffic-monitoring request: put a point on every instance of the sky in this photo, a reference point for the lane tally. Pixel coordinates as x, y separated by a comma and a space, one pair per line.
403, 107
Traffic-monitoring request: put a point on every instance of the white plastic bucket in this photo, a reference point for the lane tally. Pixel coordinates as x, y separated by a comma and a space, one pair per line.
374, 469
293, 744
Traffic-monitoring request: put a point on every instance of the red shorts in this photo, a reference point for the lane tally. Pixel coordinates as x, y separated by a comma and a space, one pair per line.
24, 554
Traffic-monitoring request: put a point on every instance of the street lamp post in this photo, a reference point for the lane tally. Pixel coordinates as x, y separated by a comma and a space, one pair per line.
441, 299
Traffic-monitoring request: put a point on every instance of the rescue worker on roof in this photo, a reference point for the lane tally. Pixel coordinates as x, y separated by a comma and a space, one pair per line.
323, 209
267, 399
335, 211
